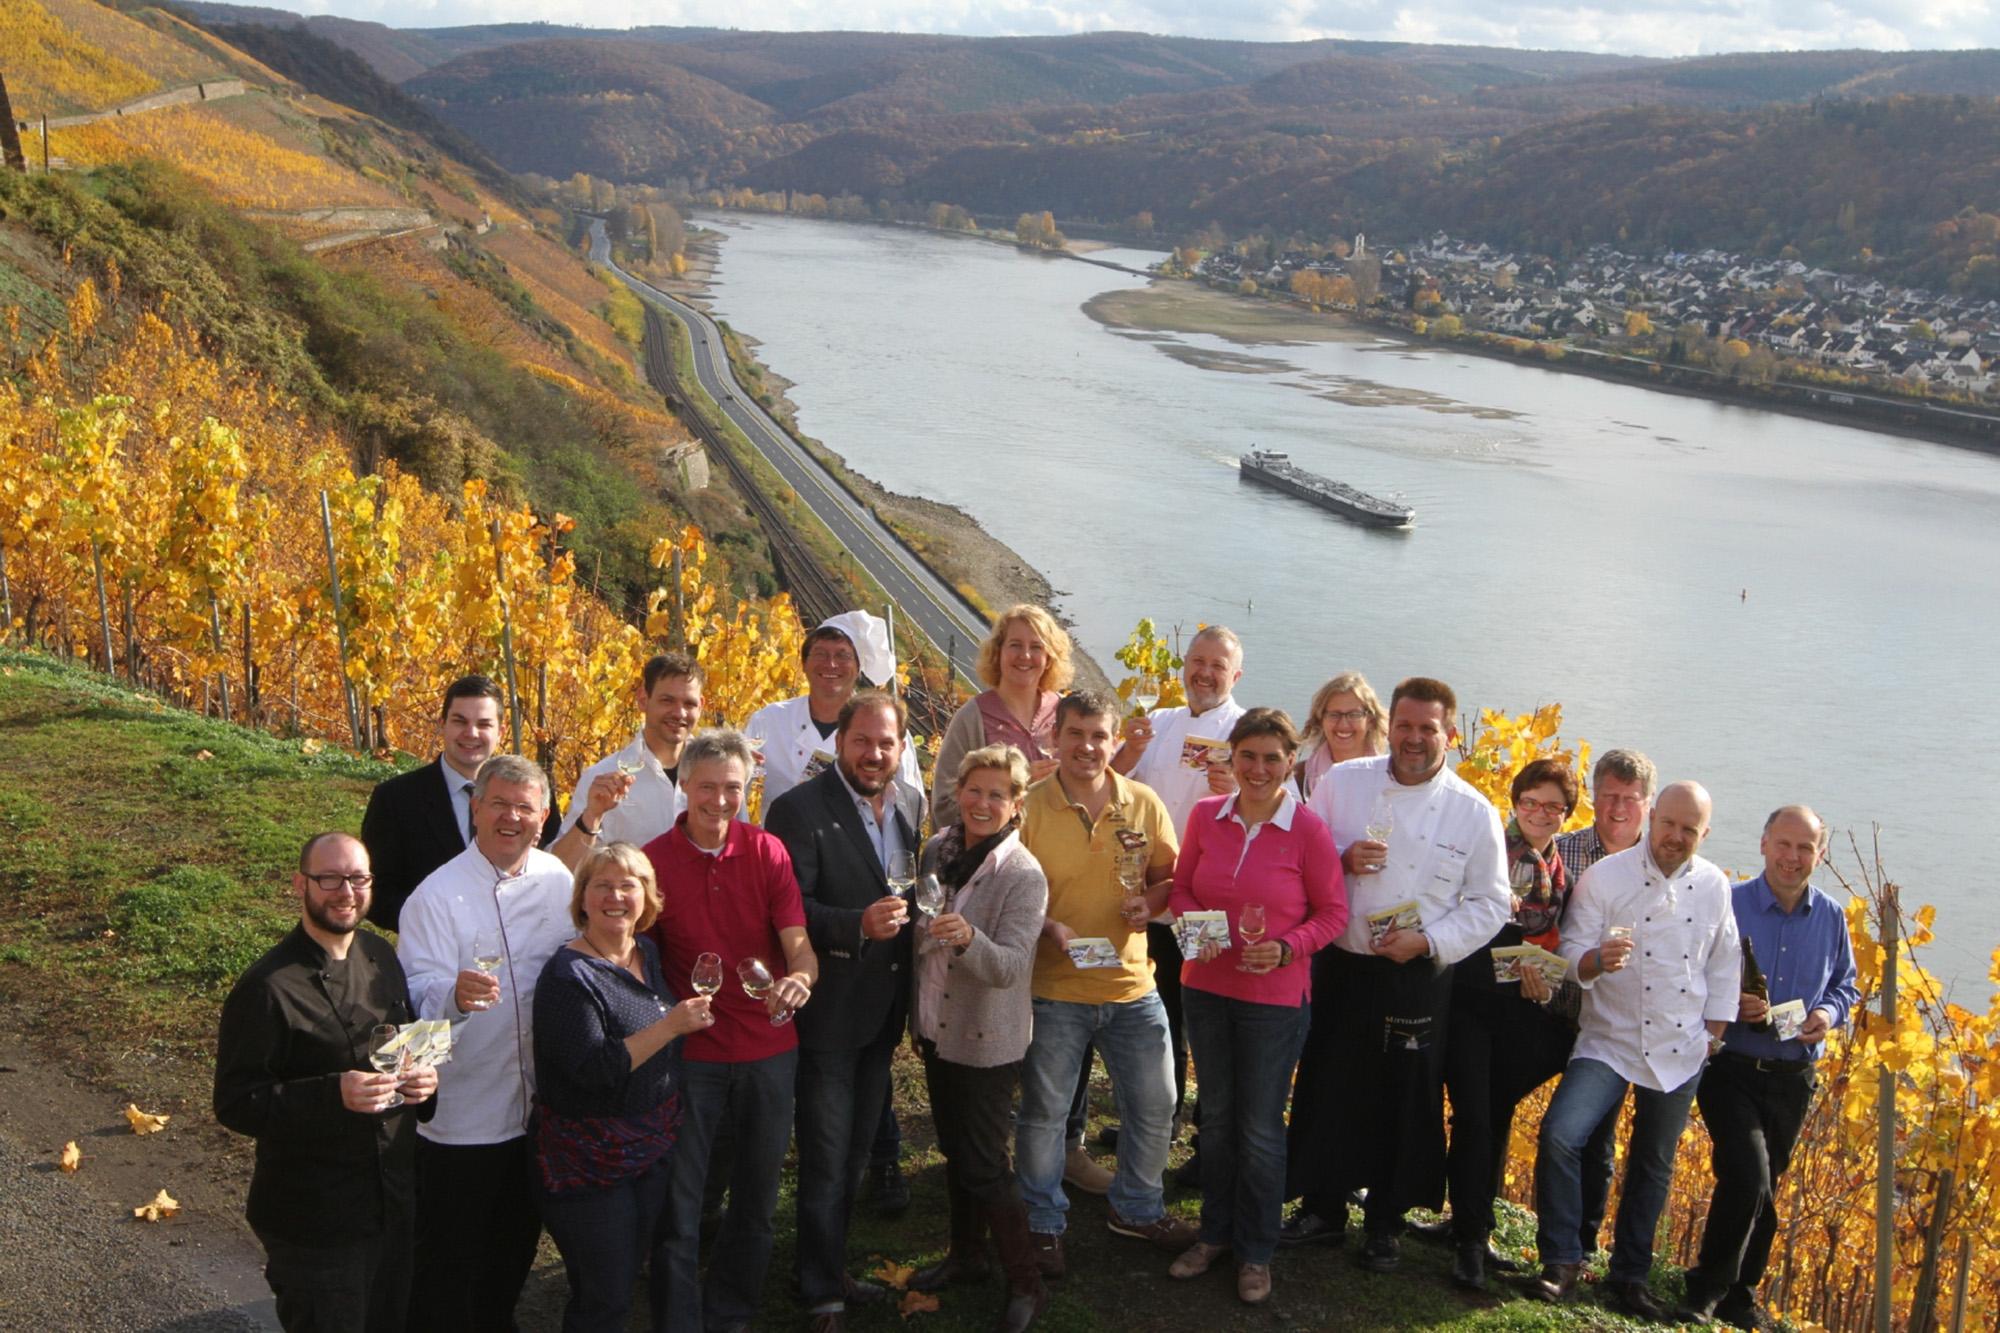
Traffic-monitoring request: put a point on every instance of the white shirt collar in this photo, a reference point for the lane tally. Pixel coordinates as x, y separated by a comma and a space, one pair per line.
1287, 804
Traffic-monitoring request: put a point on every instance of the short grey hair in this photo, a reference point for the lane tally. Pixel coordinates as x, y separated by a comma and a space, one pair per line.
1626, 766
719, 743
1221, 634
510, 768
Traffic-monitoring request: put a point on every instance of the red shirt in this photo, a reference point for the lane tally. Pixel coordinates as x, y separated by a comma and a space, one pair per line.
733, 903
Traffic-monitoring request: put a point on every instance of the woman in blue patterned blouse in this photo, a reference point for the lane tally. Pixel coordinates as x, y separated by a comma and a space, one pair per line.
607, 1072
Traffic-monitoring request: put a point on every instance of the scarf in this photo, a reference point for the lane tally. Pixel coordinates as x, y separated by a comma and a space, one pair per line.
1541, 889
957, 863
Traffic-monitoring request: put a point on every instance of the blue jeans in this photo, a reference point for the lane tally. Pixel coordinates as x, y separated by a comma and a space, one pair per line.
1589, 1089
603, 1236
1244, 1054
1131, 1038
840, 1100
755, 1098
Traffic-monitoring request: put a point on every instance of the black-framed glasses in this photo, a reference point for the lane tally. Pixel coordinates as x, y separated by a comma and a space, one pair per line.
332, 882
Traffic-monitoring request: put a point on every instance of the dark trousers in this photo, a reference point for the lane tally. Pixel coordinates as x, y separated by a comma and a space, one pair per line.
477, 1228
1165, 951
1244, 1054
604, 1236
1500, 1048
840, 1096
355, 1286
888, 1146
1753, 1117
972, 1110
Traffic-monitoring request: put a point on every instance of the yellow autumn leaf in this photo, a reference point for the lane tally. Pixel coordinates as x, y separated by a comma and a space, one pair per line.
143, 1122
163, 1205
894, 1274
72, 1157
204, 754
917, 1302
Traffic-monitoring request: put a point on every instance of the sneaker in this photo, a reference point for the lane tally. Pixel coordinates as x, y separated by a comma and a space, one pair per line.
1048, 1252
1382, 1254
1253, 1283
1304, 1227
1081, 1171
1196, 1259
1166, 1231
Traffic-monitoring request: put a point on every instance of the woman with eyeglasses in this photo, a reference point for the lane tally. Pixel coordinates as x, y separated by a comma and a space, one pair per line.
1345, 721
1507, 1038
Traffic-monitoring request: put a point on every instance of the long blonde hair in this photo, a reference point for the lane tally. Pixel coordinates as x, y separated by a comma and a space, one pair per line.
1374, 736
1057, 674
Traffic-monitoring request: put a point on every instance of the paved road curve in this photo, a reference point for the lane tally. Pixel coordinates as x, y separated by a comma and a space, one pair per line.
919, 594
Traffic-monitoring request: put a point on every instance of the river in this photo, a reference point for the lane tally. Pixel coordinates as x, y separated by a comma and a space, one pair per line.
1782, 609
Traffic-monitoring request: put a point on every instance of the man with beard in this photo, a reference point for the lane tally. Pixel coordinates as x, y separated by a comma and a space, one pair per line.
1427, 885
842, 828
331, 1194
474, 938
635, 795
1652, 939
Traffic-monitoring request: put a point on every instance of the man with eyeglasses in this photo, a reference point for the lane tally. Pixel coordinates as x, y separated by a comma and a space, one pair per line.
474, 938
333, 1189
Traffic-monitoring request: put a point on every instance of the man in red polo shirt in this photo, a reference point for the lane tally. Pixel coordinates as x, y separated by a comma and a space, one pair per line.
728, 889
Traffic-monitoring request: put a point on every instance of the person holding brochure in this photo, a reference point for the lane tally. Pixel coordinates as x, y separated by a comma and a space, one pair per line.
1427, 885
1508, 1037
1269, 867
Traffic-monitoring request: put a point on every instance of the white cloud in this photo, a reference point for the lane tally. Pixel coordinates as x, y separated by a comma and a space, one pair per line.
1638, 27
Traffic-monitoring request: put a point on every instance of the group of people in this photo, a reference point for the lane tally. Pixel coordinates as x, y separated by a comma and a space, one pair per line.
652, 997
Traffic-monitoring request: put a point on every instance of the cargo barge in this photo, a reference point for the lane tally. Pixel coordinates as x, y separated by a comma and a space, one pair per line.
1277, 471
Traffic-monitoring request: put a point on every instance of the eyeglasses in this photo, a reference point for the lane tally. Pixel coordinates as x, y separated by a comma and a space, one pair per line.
1535, 807
1343, 715
332, 882
528, 812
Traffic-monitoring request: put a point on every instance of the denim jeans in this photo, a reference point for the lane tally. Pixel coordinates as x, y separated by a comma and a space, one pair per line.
840, 1098
1590, 1088
1131, 1038
1244, 1054
604, 1236
755, 1098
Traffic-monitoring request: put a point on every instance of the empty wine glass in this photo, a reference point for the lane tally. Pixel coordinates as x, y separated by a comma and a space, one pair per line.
757, 982
707, 976
1250, 925
386, 1056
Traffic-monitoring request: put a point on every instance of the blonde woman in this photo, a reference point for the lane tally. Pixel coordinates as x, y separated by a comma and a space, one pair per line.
1025, 666
1345, 721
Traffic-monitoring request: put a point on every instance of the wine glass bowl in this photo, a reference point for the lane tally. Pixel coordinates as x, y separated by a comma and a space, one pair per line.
931, 896
1250, 926
1146, 693
386, 1057
707, 975
757, 981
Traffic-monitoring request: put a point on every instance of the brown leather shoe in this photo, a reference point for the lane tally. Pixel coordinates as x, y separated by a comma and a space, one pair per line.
1636, 1299
1555, 1284
1022, 1309
1196, 1259
1048, 1254
949, 1271
1253, 1283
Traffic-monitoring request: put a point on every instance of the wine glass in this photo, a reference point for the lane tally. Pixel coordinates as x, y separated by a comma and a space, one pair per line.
1381, 820
631, 767
902, 875
1146, 693
757, 982
707, 976
488, 952
1250, 925
1132, 879
931, 896
386, 1057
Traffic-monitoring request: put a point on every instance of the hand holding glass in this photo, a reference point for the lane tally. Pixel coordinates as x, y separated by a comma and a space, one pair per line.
1146, 693
931, 896
1132, 879
488, 952
707, 976
1250, 925
757, 982
383, 1059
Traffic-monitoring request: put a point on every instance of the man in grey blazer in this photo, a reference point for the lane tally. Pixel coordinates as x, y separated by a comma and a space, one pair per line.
842, 829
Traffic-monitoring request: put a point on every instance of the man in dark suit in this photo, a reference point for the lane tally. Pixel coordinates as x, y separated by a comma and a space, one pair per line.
842, 830
416, 821
331, 1194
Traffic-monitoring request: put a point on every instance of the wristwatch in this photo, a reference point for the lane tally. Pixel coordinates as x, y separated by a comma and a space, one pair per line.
1284, 954
587, 830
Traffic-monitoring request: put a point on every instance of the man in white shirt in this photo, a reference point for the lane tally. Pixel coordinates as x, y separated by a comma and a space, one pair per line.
477, 1223
635, 795
1424, 856
1183, 755
1652, 938
795, 736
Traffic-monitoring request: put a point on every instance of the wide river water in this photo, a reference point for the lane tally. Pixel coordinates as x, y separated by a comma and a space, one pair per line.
1782, 609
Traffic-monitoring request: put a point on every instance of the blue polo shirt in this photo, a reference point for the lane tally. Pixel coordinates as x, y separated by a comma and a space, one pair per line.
1805, 954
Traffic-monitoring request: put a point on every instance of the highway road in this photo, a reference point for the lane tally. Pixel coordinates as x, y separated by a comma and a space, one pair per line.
919, 594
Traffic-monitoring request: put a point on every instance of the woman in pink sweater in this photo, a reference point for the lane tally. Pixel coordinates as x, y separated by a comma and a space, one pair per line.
1269, 864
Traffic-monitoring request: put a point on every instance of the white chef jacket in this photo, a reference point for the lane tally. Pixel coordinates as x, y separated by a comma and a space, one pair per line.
1163, 768
485, 1089
1646, 1019
795, 752
1447, 854
649, 808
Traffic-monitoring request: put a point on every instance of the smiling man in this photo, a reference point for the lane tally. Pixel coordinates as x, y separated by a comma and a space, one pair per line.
795, 736
505, 902
635, 795
842, 829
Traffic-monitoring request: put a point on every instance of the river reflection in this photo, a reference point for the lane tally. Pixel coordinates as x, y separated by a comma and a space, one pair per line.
1781, 609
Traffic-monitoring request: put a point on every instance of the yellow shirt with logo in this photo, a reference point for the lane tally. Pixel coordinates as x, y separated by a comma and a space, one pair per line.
1080, 858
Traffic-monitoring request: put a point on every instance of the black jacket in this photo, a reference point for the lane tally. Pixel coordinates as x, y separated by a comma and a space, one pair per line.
410, 829
323, 1171
864, 985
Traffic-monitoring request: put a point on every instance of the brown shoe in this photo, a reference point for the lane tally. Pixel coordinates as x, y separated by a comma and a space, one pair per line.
1166, 1231
1555, 1283
1048, 1254
951, 1270
1253, 1283
1082, 1171
1196, 1259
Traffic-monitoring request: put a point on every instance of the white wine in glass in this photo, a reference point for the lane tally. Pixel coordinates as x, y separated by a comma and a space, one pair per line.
631, 767
1146, 694
1381, 821
488, 952
902, 874
931, 895
1250, 925
707, 976
385, 1058
757, 983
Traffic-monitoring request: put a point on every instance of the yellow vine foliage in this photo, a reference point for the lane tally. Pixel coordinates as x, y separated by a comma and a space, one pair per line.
1498, 746
52, 69
242, 167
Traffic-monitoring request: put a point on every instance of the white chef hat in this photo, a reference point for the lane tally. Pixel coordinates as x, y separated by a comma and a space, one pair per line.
870, 637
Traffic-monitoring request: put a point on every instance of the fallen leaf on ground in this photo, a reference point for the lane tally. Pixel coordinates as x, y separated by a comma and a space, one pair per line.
917, 1302
894, 1274
72, 1156
163, 1205
143, 1122
204, 754
311, 745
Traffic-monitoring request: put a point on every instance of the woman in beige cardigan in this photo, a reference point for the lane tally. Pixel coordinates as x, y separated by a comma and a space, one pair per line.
972, 1018
1025, 666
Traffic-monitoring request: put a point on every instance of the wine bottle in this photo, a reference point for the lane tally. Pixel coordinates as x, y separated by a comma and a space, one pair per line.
1755, 984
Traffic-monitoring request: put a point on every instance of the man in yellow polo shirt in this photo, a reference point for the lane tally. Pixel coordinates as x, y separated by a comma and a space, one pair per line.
1093, 981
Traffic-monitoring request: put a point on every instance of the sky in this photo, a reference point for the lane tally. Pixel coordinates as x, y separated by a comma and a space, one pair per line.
1634, 27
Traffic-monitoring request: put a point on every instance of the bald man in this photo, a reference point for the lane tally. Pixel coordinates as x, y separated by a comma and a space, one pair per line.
1651, 936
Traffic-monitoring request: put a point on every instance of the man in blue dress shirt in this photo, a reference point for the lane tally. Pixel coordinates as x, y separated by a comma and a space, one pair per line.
1756, 1092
